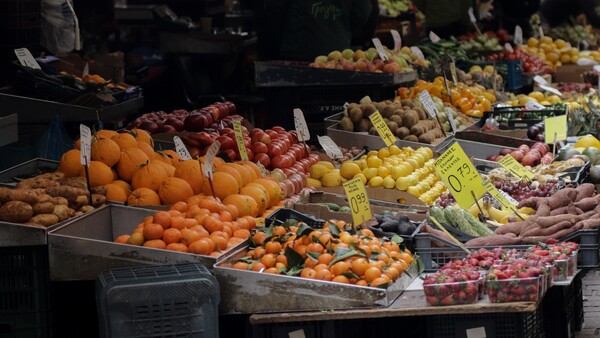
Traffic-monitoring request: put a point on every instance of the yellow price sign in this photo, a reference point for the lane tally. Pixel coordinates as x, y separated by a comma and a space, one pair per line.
460, 176
453, 73
382, 129
556, 129
359, 201
514, 167
506, 201
239, 138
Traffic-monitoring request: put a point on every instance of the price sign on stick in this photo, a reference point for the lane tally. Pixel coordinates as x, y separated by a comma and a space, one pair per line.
239, 139
85, 136
451, 120
417, 51
498, 196
380, 49
210, 155
518, 35
533, 105
453, 72
359, 201
556, 129
382, 129
397, 39
428, 103
460, 176
514, 167
331, 149
181, 149
434, 37
301, 126
26, 59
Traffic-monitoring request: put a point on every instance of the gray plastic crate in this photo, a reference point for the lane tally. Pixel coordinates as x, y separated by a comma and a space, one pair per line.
179, 300
30, 168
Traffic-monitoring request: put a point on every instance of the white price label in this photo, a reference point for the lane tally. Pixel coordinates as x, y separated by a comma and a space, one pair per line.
508, 197
86, 69
551, 90
181, 149
541, 31
596, 68
451, 120
428, 103
301, 126
518, 36
210, 156
540, 81
263, 170
85, 137
476, 332
472, 16
508, 48
297, 334
397, 39
331, 149
380, 49
453, 72
533, 105
434, 37
26, 59
417, 51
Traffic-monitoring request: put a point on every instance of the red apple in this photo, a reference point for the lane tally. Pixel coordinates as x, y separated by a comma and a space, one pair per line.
263, 158
226, 142
274, 150
255, 131
260, 147
517, 155
278, 129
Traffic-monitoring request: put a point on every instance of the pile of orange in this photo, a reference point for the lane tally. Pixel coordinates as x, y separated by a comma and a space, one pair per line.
471, 100
366, 261
201, 225
127, 165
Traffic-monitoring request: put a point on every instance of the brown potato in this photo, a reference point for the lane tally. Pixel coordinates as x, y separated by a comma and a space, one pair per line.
86, 208
16, 212
23, 195
43, 208
44, 198
98, 200
44, 219
55, 176
60, 201
37, 183
76, 182
62, 212
70, 193
4, 194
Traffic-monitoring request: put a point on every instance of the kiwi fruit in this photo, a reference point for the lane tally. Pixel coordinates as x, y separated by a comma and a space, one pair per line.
397, 119
411, 138
355, 115
427, 137
392, 125
410, 119
373, 131
422, 114
379, 106
399, 112
367, 109
407, 102
364, 125
387, 111
402, 132
346, 124
388, 102
417, 130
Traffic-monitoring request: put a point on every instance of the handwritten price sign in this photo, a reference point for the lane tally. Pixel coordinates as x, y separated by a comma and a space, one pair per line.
509, 163
359, 202
382, 129
239, 139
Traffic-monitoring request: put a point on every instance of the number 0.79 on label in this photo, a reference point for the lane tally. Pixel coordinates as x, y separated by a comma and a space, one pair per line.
359, 202
460, 176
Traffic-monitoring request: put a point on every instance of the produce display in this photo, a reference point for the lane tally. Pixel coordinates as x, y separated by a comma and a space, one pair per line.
481, 43
574, 34
530, 62
364, 61
555, 52
484, 77
528, 156
393, 8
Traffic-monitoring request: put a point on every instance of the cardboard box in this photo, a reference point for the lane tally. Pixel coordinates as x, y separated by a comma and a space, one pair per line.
380, 194
110, 66
570, 73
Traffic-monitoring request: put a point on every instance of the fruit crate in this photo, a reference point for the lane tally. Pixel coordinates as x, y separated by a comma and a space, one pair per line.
510, 70
9, 177
24, 308
283, 214
498, 325
158, 301
559, 308
524, 122
88, 243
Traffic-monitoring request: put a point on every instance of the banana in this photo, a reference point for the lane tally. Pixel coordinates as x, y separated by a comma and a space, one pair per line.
498, 215
526, 211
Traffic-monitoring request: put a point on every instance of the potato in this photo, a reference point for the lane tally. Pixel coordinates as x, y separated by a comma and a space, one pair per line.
62, 212
44, 219
37, 183
44, 198
70, 193
99, 190
23, 195
43, 208
4, 194
55, 176
76, 182
86, 208
16, 212
98, 200
78, 213
59, 201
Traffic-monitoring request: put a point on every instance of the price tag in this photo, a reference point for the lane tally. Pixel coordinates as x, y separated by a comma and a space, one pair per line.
518, 35
181, 149
434, 37
460, 176
301, 126
508, 48
428, 103
472, 15
331, 149
540, 81
359, 201
533, 105
417, 51
380, 49
263, 170
514, 167
556, 128
498, 196
451, 120
453, 72
509, 198
476, 332
297, 334
541, 31
210, 156
382, 129
26, 59
85, 136
239, 138
551, 90
397, 39
86, 69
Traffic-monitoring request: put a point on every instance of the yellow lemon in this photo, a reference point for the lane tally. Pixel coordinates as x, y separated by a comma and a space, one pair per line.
331, 179
363, 178
394, 150
328, 165
587, 141
317, 170
374, 162
311, 182
383, 171
402, 183
362, 163
349, 169
370, 173
383, 153
389, 182
376, 181
532, 42
372, 153
414, 190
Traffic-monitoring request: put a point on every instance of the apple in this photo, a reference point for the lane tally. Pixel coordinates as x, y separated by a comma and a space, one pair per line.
250, 154
271, 133
517, 155
231, 109
263, 158
175, 122
149, 126
255, 131
260, 147
506, 151
166, 128
278, 174
530, 160
226, 142
233, 155
274, 150
194, 152
280, 161
290, 187
283, 187
204, 138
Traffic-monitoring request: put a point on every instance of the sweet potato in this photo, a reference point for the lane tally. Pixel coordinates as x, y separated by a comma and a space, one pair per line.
437, 232
559, 211
16, 212
44, 219
562, 198
70, 193
23, 195
43, 208
548, 221
548, 231
593, 223
587, 203
531, 202
514, 228
562, 233
543, 208
493, 240
585, 190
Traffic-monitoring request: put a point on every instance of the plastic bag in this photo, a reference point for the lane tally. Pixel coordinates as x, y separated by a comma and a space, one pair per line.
55, 141
60, 27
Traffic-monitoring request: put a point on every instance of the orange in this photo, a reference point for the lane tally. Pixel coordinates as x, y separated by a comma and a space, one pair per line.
258, 267
100, 174
246, 205
242, 233
325, 258
252, 166
259, 194
243, 171
171, 235
220, 242
177, 222
124, 185
268, 260
122, 239
163, 218
341, 279
145, 147
200, 247
115, 193
259, 237
273, 247
240, 265
142, 136
339, 268
223, 184
379, 281
359, 266
272, 188
125, 141
233, 172
362, 282
136, 238
324, 274
153, 231
188, 236
155, 243
213, 224
177, 247
372, 273
210, 203
308, 273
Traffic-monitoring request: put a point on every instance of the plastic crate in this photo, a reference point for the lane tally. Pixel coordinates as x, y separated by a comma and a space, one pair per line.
587, 256
498, 325
510, 70
159, 301
523, 122
560, 312
283, 214
23, 291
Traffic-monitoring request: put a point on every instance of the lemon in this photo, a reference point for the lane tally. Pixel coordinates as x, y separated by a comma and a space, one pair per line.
372, 153
587, 141
376, 181
539, 96
311, 182
397, 171
328, 165
532, 42
413, 163
362, 163
414, 190
331, 179
370, 173
413, 179
363, 178
475, 70
394, 150
402, 183
349, 169
420, 159
560, 43
383, 153
317, 170
489, 69
374, 162
423, 186
383, 171
426, 151
389, 182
